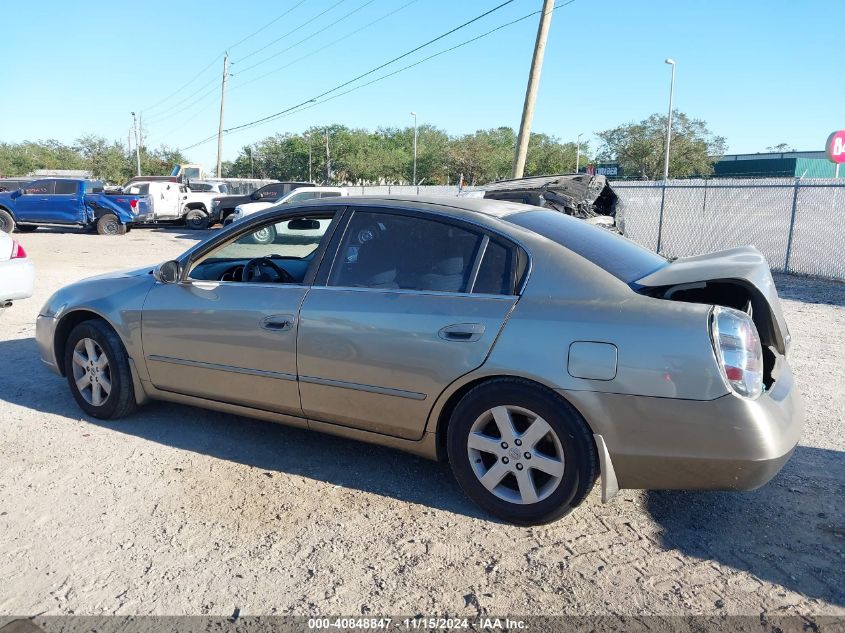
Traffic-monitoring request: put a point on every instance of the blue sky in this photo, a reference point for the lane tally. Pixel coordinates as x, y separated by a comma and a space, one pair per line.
759, 72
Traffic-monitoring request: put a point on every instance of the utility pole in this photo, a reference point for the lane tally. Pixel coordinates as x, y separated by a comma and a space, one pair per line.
308, 136
219, 172
578, 154
531, 90
414, 177
137, 144
328, 160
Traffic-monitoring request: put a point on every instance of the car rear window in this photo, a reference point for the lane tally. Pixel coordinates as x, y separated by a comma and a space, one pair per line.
618, 255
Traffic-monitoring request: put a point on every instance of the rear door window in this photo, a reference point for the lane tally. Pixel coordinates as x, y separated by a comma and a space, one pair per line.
497, 274
66, 187
40, 188
402, 252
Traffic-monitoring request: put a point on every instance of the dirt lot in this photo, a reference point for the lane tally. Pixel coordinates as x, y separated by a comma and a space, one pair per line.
183, 511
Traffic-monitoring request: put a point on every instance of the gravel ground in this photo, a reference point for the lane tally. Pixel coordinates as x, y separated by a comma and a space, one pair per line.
183, 511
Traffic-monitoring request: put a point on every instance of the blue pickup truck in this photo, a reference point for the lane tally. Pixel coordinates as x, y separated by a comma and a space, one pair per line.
70, 202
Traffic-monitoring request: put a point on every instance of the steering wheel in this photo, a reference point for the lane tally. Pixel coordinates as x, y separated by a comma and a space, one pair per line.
252, 271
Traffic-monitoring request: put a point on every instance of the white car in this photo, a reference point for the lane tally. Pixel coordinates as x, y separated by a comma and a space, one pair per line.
17, 274
174, 202
297, 195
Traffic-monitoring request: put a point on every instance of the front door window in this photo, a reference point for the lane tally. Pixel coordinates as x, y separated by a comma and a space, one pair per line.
278, 252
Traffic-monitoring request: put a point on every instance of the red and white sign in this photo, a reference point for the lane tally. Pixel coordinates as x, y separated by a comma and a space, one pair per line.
836, 147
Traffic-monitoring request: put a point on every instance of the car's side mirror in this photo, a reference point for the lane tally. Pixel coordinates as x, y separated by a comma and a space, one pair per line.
255, 195
168, 272
17, 193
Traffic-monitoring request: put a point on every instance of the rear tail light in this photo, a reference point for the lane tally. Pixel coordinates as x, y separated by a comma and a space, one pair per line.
738, 351
133, 203
17, 251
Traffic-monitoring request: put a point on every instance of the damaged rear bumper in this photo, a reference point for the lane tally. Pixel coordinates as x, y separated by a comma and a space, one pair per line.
730, 443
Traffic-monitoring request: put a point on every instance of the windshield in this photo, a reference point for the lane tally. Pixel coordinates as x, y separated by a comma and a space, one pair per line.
618, 255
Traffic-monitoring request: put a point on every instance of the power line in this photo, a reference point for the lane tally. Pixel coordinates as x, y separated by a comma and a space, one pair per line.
217, 58
192, 115
177, 91
322, 48
266, 26
377, 68
305, 105
430, 57
308, 37
168, 112
278, 39
208, 89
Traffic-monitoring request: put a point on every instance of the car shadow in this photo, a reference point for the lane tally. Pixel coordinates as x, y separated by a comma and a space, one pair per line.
790, 532
181, 232
265, 445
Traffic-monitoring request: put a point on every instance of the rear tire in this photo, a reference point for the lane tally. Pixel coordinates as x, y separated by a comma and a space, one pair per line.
110, 225
196, 219
527, 477
97, 369
264, 235
7, 222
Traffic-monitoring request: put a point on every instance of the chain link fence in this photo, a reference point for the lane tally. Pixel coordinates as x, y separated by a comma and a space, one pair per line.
799, 225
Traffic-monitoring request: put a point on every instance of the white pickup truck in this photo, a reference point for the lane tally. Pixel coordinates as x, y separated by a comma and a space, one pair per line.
173, 202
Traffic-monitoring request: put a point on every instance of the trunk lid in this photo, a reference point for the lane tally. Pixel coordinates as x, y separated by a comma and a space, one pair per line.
744, 266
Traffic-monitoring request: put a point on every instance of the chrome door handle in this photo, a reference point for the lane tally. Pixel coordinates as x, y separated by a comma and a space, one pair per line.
462, 332
278, 322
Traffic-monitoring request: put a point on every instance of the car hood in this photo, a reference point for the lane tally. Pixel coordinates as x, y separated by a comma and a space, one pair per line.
122, 274
745, 265
254, 207
108, 294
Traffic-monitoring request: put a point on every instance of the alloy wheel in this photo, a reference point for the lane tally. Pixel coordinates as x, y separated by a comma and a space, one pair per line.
91, 372
515, 454
262, 235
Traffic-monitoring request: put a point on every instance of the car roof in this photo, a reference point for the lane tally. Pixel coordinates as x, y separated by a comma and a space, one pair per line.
470, 207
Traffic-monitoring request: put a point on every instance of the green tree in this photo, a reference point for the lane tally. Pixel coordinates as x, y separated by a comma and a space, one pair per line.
385, 156
639, 147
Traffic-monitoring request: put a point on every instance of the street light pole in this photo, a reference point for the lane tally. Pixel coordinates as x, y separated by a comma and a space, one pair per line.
328, 160
578, 152
137, 144
308, 136
414, 177
671, 62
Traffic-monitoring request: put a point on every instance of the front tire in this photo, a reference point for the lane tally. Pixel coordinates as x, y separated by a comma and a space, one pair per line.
196, 219
522, 453
97, 369
7, 222
110, 225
